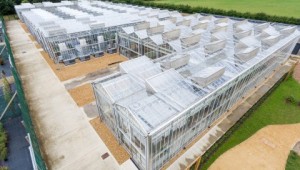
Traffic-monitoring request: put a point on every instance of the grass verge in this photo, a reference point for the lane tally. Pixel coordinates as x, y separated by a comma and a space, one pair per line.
293, 161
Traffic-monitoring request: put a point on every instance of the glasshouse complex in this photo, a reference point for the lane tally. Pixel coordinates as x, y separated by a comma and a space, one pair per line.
184, 71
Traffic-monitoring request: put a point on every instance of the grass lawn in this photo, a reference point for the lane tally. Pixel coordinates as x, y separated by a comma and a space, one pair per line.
273, 110
288, 8
293, 162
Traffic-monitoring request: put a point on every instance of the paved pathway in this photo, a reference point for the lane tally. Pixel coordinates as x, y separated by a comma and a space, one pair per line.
68, 140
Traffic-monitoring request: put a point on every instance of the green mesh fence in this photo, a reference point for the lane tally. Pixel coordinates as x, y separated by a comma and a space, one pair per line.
22, 103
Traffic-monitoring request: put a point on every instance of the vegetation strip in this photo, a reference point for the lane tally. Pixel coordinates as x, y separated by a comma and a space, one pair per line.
199, 9
293, 161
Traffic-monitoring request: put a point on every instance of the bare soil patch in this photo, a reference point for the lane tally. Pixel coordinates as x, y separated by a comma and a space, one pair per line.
83, 94
110, 141
83, 68
24, 27
296, 73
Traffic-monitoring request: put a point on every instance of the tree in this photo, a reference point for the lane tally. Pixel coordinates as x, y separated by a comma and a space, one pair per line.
3, 143
6, 88
1, 60
7, 91
7, 7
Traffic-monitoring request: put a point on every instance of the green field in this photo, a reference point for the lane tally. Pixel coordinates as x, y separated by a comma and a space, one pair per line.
290, 8
273, 110
293, 162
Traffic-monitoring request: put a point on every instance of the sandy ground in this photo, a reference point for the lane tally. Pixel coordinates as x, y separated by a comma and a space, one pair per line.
267, 149
296, 73
82, 95
83, 68
24, 27
37, 45
31, 37
110, 141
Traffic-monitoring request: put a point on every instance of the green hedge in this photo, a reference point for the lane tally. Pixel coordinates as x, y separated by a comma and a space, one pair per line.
230, 13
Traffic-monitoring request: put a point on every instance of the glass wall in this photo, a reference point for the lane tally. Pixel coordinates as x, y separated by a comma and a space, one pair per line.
152, 150
180, 132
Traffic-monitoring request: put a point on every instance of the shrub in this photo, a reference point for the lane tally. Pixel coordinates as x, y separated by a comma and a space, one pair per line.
3, 143
291, 99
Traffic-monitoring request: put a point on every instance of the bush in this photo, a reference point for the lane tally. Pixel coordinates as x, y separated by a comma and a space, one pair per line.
230, 13
3, 143
291, 99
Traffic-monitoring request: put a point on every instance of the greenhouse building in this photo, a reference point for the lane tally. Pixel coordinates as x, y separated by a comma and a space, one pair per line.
183, 73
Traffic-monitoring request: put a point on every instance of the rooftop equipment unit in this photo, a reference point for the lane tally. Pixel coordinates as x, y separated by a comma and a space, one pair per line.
219, 29
142, 26
219, 36
271, 40
235, 25
245, 54
46, 23
250, 41
270, 31
261, 27
242, 34
54, 31
222, 24
82, 18
222, 20
242, 26
176, 61
214, 46
163, 15
156, 30
173, 19
288, 30
206, 19
96, 25
190, 41
208, 75
49, 27
184, 22
200, 26
171, 35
